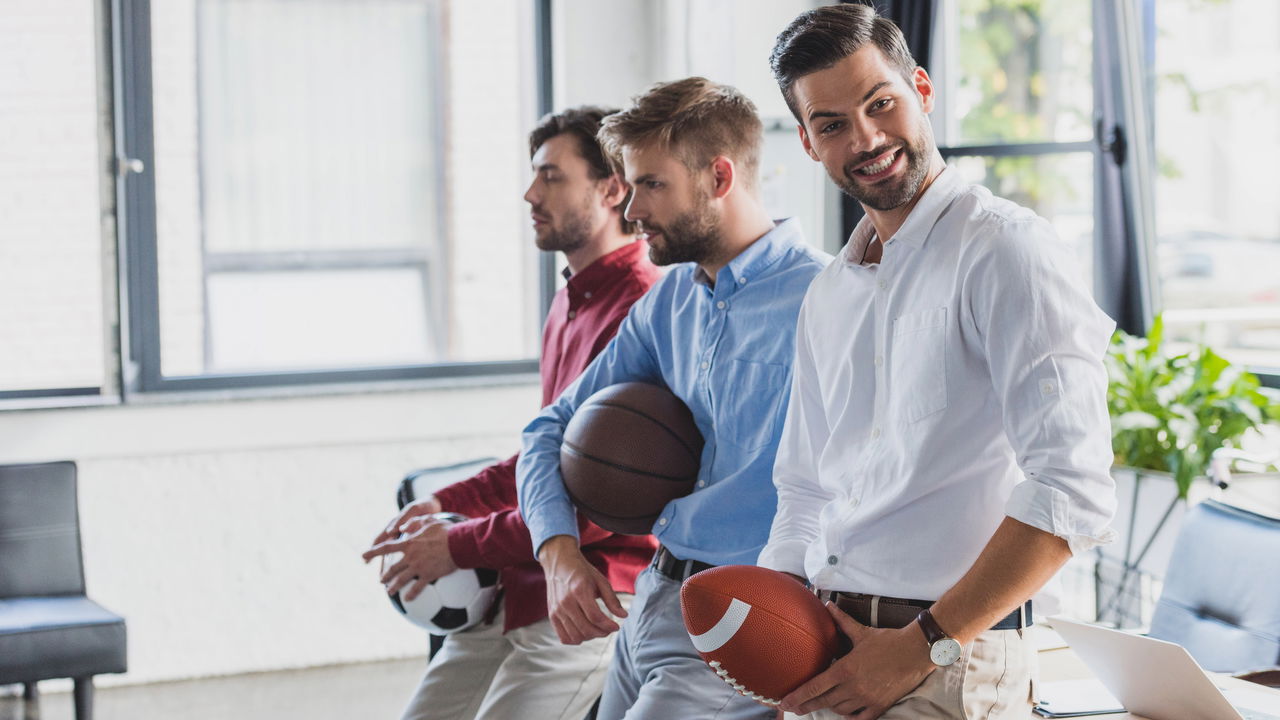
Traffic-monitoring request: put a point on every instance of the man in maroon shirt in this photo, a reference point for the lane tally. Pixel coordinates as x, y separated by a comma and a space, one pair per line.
520, 667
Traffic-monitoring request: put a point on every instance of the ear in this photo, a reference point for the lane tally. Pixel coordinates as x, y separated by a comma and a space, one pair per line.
723, 176
924, 88
808, 146
615, 192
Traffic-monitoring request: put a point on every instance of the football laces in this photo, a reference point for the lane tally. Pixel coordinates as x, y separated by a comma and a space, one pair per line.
742, 690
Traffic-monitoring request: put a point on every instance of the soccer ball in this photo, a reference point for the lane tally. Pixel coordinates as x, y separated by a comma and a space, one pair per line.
452, 603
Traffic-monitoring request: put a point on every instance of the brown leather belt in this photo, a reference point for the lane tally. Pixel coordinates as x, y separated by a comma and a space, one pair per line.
890, 612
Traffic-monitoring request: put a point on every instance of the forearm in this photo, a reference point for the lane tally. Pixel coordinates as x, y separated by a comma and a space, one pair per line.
1017, 561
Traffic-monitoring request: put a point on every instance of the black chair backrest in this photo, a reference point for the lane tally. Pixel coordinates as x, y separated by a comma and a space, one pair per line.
39, 531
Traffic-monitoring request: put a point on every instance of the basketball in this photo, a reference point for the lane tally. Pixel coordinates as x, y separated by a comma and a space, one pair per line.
629, 450
761, 631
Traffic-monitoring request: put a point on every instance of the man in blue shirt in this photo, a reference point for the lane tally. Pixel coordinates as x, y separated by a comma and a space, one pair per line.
719, 332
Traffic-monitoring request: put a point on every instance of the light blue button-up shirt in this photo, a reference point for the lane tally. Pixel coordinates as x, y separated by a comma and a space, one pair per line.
726, 351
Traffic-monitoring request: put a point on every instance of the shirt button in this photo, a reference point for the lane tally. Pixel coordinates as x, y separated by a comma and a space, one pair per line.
587, 295
853, 502
875, 432
879, 360
662, 521
705, 365
882, 285
742, 281
720, 304
702, 483
832, 560
573, 314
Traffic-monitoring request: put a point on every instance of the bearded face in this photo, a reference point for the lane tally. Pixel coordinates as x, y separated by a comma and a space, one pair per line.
690, 236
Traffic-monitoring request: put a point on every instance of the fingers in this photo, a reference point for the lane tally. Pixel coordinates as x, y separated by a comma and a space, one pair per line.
389, 573
597, 623
801, 700
854, 629
416, 589
610, 597
389, 546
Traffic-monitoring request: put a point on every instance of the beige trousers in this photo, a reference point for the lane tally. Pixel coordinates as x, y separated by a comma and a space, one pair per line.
992, 680
526, 674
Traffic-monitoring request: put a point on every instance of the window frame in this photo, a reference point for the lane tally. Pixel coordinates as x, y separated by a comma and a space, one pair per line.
139, 343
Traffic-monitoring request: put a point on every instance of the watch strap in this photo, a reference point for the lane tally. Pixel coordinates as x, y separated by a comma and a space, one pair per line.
932, 631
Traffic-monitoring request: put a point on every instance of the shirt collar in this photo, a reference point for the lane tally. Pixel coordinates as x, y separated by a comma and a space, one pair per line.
919, 223
604, 270
758, 256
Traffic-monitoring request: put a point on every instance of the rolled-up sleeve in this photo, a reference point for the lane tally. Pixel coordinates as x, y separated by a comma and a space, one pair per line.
1045, 339
544, 502
795, 471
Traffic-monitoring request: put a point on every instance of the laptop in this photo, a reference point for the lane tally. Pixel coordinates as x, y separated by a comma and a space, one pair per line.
1158, 679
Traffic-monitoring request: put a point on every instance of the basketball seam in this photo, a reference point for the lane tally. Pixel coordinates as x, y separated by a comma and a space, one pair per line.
574, 450
692, 454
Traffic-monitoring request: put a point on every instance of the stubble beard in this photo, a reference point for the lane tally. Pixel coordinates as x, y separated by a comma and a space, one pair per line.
573, 234
894, 194
692, 236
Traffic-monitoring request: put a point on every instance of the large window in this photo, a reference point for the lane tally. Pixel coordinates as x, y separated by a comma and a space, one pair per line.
214, 194
1215, 84
1017, 106
336, 197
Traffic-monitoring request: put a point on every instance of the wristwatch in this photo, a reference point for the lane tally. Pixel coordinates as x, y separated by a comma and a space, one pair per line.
943, 649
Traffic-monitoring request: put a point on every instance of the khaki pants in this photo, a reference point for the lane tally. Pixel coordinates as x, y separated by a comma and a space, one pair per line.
991, 681
528, 674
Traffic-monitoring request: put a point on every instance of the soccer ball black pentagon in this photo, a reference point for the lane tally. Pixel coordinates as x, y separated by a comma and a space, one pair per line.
452, 603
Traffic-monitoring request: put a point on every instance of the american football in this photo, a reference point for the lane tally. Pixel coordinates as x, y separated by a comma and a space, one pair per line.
761, 631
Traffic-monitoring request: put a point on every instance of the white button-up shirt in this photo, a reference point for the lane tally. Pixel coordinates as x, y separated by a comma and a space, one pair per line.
957, 381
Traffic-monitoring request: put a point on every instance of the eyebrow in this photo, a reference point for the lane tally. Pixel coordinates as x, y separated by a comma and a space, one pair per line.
827, 113
545, 166
643, 178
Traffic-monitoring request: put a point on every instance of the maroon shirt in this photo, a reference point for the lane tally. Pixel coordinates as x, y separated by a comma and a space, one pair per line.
584, 317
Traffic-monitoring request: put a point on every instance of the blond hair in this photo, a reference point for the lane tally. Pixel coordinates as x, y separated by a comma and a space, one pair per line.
694, 119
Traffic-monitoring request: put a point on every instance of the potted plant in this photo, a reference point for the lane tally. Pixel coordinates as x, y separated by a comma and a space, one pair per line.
1171, 412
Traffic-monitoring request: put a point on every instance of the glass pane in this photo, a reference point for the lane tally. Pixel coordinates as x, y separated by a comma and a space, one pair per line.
1014, 71
52, 293
303, 141
1216, 80
1058, 187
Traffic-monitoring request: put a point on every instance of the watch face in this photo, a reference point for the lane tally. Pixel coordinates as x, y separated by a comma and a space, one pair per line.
944, 652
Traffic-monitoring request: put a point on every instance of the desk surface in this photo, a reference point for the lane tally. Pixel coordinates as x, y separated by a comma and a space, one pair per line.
1058, 662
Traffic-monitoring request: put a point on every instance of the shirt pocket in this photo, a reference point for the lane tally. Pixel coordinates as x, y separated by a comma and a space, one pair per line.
750, 407
919, 380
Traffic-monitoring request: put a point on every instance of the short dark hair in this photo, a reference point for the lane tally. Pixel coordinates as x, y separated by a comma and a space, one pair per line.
818, 39
694, 119
583, 124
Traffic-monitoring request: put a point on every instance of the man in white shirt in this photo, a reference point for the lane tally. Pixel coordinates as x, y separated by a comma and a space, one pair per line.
947, 446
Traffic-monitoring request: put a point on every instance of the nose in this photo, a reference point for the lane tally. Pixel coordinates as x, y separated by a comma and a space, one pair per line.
531, 195
635, 209
864, 136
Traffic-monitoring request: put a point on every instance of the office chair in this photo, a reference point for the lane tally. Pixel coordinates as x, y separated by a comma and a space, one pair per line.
1221, 597
49, 628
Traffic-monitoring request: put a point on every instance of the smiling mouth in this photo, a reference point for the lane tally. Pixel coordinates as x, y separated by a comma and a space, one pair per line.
880, 167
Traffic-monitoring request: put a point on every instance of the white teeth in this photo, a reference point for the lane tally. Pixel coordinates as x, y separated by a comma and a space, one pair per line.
878, 167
